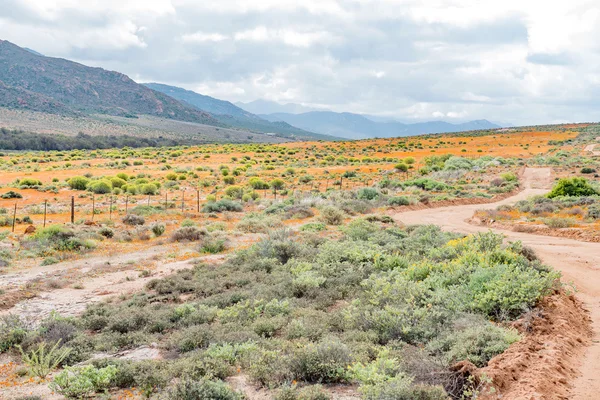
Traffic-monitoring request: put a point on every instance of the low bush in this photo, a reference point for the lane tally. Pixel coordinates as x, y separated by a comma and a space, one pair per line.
13, 332
332, 216
103, 186
313, 227
560, 223
203, 389
222, 205
158, 229
324, 362
575, 187
78, 183
82, 382
42, 360
367, 194
188, 233
12, 195
133, 220
398, 201
106, 232
593, 212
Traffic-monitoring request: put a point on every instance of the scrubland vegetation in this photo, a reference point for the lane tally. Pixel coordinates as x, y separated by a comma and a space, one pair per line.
319, 289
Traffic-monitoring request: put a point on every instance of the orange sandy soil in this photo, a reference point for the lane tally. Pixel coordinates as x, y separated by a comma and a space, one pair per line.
541, 364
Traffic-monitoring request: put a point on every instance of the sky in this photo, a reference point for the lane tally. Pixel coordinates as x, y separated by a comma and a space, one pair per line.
516, 62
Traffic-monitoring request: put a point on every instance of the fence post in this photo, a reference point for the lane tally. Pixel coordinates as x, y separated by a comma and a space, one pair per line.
72, 209
127, 205
45, 209
14, 217
110, 209
198, 200
166, 200
182, 199
93, 206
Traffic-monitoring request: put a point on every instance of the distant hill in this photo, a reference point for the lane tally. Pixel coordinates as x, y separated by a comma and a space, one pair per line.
229, 114
33, 82
355, 126
261, 106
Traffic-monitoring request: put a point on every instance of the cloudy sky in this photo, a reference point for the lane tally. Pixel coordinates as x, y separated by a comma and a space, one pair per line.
513, 61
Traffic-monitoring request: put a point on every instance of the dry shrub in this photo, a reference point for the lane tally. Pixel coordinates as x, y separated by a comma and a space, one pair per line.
188, 234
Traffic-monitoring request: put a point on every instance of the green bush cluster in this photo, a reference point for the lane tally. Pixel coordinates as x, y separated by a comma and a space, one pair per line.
321, 311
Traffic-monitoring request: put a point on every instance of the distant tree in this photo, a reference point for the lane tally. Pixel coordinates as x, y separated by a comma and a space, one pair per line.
277, 184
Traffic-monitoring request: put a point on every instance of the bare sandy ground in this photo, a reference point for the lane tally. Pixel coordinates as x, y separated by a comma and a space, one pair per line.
591, 148
72, 300
579, 263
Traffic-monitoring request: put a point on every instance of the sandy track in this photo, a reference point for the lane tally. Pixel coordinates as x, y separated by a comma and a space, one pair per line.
579, 263
591, 148
70, 301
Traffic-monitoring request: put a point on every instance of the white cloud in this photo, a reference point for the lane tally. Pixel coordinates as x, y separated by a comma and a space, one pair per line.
286, 36
516, 61
200, 37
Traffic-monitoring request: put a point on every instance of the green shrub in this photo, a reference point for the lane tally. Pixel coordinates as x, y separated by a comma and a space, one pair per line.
505, 291
479, 343
158, 229
30, 182
187, 222
398, 201
118, 182
574, 187
13, 331
100, 187
312, 392
313, 227
332, 215
222, 205
145, 210
213, 245
192, 338
49, 261
593, 212
133, 220
12, 195
203, 389
367, 194
106, 232
235, 192
560, 223
400, 391
148, 189
325, 362
80, 382
78, 182
42, 360
189, 233
426, 184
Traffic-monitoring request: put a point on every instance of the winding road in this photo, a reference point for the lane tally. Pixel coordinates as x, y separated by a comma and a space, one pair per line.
579, 263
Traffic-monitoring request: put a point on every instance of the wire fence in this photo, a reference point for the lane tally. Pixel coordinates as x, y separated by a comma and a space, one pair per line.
90, 206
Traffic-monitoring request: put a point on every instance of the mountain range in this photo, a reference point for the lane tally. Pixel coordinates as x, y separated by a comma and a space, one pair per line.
55, 85
230, 114
352, 126
33, 82
355, 126
262, 106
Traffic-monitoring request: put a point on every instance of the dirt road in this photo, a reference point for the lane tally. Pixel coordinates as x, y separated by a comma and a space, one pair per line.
592, 149
579, 263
